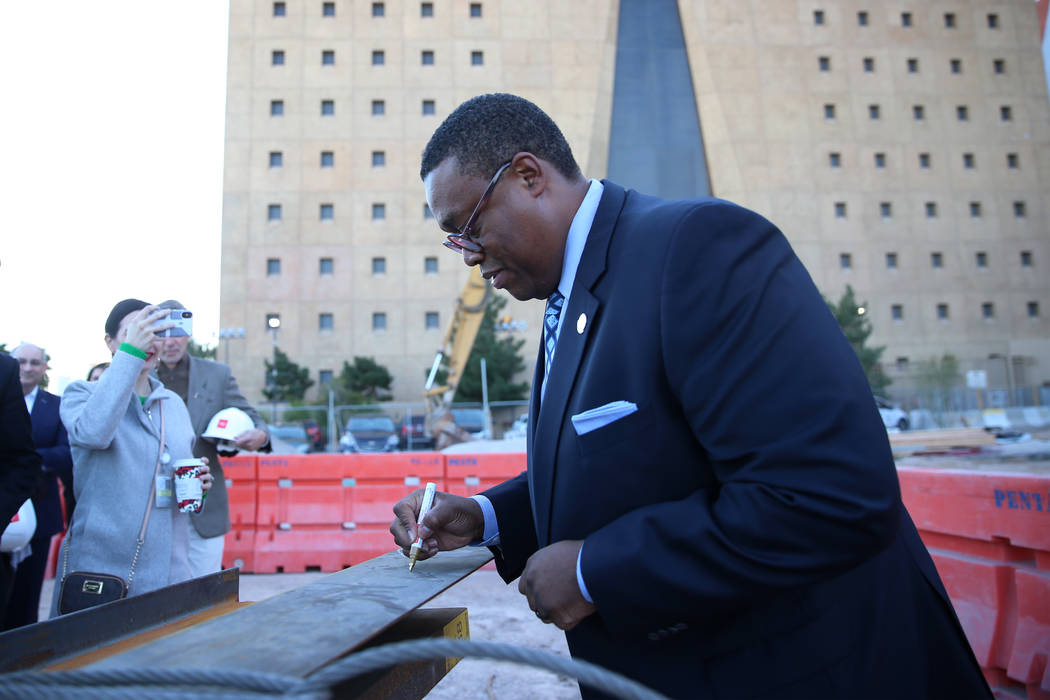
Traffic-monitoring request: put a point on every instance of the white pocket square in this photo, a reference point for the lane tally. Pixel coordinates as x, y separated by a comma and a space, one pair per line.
603, 415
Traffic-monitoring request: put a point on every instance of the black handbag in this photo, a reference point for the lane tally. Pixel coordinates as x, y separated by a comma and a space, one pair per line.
86, 589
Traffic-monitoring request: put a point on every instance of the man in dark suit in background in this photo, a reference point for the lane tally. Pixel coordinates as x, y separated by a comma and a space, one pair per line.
19, 462
51, 443
711, 506
207, 387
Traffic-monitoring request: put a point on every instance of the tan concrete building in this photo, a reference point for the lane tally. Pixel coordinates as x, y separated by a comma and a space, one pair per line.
903, 148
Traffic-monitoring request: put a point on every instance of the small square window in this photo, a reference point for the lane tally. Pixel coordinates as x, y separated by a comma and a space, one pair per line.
874, 112
426, 9
829, 111
378, 9
327, 108
918, 112
931, 210
477, 58
886, 212
273, 267
968, 161
1020, 211
427, 58
324, 376
880, 160
993, 21
273, 212
834, 160
1006, 113
869, 64
845, 261
328, 57
427, 214
428, 108
378, 211
378, 57
328, 9
327, 159
276, 159
956, 65
430, 265
924, 161
475, 9
1012, 161
1033, 309
276, 318
279, 9
326, 266
949, 20
378, 266
942, 312
379, 321
325, 322
1026, 258
824, 63
840, 210
327, 212
988, 310
962, 113
901, 364
897, 312
818, 17
431, 320
276, 108
975, 210
862, 18
913, 65
378, 159
980, 259
277, 57
905, 19
378, 108
891, 261
936, 260
999, 66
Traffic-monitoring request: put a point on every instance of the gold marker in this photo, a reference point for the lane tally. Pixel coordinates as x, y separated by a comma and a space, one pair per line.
428, 500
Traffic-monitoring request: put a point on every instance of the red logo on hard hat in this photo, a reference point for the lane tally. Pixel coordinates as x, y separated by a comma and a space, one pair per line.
222, 422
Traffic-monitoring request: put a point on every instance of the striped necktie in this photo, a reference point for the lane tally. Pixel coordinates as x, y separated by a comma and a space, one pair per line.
550, 328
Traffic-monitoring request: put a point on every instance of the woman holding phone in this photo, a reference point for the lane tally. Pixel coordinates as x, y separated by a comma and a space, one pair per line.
126, 430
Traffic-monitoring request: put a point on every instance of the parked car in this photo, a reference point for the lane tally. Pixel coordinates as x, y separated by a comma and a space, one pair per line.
289, 439
369, 432
316, 435
472, 420
414, 434
892, 416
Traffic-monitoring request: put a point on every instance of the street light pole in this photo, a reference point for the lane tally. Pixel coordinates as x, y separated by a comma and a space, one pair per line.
274, 322
226, 335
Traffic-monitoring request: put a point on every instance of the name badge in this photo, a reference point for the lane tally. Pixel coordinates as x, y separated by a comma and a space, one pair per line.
164, 492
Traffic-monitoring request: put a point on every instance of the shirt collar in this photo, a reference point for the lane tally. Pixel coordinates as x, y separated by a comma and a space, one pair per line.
576, 240
31, 398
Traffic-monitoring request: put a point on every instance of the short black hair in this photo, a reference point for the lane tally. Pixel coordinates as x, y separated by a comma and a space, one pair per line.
486, 131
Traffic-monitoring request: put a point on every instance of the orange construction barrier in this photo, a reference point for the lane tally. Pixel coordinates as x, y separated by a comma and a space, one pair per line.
468, 474
241, 474
989, 535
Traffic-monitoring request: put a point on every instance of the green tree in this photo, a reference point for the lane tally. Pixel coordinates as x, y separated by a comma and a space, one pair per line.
502, 362
205, 351
936, 378
292, 380
857, 328
366, 381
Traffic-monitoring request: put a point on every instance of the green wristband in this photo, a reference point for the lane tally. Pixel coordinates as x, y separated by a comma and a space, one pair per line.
132, 350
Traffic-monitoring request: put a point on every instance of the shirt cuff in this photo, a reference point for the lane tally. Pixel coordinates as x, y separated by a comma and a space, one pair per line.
491, 536
579, 578
132, 350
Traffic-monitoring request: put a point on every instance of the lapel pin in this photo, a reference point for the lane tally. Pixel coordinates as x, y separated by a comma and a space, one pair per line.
581, 323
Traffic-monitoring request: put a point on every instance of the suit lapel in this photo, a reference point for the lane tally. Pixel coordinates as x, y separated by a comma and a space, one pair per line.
195, 387
581, 314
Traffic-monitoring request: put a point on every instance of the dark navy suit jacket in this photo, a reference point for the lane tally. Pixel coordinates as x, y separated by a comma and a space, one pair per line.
743, 530
51, 443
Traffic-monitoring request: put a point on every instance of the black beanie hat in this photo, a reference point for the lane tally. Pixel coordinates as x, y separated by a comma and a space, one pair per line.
122, 309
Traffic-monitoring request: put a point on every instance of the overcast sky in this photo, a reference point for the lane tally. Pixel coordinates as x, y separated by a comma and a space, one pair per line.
112, 167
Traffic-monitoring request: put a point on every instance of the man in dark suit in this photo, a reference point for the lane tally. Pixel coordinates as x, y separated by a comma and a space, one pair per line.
51, 443
19, 462
208, 387
711, 506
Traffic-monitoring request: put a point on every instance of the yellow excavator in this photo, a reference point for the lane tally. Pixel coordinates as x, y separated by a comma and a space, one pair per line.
459, 339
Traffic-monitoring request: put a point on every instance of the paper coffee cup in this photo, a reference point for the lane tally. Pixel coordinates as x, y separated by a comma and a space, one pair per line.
189, 489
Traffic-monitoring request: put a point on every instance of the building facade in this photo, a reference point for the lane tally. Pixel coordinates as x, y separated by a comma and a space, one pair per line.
903, 147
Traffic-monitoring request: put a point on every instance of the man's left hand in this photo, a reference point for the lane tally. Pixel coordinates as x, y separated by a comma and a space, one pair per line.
549, 582
251, 440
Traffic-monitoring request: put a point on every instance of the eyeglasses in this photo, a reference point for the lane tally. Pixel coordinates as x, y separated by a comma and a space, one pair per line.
461, 242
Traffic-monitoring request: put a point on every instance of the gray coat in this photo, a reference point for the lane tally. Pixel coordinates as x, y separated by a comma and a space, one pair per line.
115, 440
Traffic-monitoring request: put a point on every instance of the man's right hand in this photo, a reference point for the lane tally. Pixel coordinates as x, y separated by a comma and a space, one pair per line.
452, 522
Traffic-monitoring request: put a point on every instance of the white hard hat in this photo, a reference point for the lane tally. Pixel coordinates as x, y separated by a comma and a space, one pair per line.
226, 425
